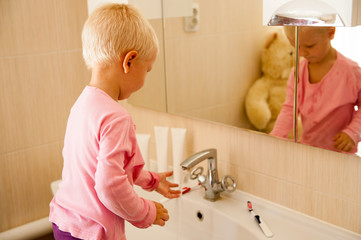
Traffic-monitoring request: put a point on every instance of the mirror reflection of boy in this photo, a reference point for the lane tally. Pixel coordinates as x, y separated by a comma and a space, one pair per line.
102, 160
329, 89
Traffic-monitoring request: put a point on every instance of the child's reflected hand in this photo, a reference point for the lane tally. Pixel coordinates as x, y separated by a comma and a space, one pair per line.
343, 142
162, 214
164, 186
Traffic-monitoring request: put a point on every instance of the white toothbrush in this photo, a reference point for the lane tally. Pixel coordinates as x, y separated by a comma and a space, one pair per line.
267, 232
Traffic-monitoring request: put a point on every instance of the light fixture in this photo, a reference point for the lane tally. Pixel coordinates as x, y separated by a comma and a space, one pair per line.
304, 13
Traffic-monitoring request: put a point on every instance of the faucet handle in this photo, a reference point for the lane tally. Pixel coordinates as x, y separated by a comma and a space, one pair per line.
202, 180
228, 183
196, 173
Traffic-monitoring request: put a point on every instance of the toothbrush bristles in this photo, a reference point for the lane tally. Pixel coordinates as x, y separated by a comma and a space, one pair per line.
249, 204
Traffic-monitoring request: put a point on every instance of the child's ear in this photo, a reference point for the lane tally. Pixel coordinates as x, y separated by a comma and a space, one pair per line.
331, 32
128, 60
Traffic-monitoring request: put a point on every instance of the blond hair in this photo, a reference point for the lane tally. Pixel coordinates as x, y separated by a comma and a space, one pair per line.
113, 30
290, 30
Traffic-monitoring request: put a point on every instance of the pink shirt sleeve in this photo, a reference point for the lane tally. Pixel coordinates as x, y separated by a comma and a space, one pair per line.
149, 181
354, 128
116, 170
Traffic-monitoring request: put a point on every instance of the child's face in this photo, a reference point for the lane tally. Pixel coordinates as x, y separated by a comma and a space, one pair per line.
314, 43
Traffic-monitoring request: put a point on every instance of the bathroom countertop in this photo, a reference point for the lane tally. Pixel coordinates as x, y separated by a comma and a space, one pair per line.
285, 223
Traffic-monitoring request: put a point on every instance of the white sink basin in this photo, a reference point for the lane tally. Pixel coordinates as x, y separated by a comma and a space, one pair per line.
192, 217
196, 220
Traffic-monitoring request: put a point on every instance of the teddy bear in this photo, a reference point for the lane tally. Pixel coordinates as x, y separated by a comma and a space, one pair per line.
265, 97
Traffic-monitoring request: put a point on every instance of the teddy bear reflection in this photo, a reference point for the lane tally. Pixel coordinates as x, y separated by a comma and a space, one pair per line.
265, 97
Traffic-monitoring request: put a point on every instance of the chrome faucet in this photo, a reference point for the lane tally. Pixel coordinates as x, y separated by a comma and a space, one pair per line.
210, 182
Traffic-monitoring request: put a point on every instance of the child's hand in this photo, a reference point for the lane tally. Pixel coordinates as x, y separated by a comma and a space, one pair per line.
164, 186
343, 142
162, 214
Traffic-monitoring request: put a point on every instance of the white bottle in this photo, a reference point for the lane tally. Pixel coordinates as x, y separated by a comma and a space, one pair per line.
143, 144
161, 145
178, 144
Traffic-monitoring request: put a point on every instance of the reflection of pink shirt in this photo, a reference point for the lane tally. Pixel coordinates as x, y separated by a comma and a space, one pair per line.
326, 108
101, 162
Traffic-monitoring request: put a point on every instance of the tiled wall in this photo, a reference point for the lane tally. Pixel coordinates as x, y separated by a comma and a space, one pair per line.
314, 181
41, 75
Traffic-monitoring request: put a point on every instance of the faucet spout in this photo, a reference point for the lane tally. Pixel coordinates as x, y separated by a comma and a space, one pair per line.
196, 158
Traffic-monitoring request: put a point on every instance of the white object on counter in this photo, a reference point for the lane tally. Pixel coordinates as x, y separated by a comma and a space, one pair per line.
143, 143
178, 144
32, 230
55, 186
161, 145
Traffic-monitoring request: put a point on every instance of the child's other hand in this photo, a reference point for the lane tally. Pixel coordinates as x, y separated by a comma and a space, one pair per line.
162, 214
343, 142
164, 186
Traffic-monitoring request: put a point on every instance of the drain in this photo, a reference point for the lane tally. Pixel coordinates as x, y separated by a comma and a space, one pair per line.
200, 216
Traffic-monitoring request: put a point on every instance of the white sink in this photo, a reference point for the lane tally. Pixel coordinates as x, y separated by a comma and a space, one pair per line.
192, 217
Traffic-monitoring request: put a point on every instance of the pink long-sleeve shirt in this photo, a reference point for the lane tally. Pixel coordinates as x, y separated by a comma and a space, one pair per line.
327, 107
102, 161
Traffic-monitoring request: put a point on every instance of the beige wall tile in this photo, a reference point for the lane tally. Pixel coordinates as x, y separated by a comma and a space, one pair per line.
207, 66
336, 210
358, 229
27, 27
25, 177
224, 113
38, 85
300, 198
73, 77
187, 61
233, 170
245, 180
288, 194
70, 18
241, 15
245, 155
153, 93
330, 171
351, 172
265, 187
287, 166
358, 187
31, 95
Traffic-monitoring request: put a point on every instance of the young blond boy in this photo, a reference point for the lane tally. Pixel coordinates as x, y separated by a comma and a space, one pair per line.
102, 160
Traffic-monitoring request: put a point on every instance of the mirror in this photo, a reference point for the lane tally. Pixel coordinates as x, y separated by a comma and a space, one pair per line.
207, 73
